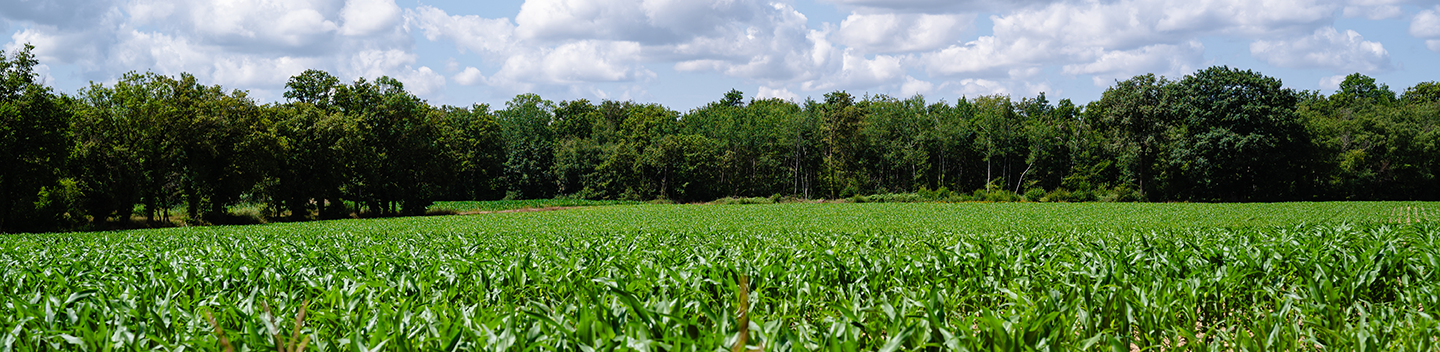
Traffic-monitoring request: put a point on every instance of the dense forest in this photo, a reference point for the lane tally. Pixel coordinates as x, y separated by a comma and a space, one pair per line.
151, 144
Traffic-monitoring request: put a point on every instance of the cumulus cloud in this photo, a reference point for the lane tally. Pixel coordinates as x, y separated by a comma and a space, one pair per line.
778, 93
935, 6
475, 33
609, 48
856, 72
1374, 9
913, 86
645, 21
1163, 59
366, 17
250, 44
1327, 48
577, 62
1426, 25
890, 32
1332, 82
470, 76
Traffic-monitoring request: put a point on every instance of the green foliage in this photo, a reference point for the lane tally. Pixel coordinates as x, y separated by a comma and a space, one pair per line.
1017, 276
1240, 138
529, 144
151, 144
1423, 92
1035, 194
746, 200
35, 127
1368, 150
475, 143
1137, 114
503, 205
1358, 89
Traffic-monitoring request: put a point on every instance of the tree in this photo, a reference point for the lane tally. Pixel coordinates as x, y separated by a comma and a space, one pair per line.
315, 151
1361, 90
680, 167
1137, 113
529, 146
1423, 92
34, 137
318, 143
840, 123
314, 87
474, 142
1239, 138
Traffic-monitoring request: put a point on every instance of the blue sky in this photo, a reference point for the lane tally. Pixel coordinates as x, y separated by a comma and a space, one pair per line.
685, 53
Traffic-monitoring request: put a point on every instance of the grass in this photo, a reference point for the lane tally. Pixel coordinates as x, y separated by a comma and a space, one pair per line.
461, 207
887, 276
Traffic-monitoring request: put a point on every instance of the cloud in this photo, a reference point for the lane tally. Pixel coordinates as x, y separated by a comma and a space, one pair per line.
913, 87
781, 48
367, 17
1328, 49
645, 21
935, 6
974, 87
1426, 25
1331, 82
251, 44
576, 65
1374, 9
469, 77
1164, 59
475, 33
608, 48
891, 33
857, 72
778, 93
988, 57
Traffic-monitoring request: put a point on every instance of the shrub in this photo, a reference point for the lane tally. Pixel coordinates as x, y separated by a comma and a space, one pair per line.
745, 200
1035, 194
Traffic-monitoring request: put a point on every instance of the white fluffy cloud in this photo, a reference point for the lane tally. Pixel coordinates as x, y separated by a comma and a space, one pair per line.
936, 6
890, 32
614, 48
1163, 59
470, 76
1332, 82
367, 17
1426, 25
250, 44
474, 33
778, 93
1327, 48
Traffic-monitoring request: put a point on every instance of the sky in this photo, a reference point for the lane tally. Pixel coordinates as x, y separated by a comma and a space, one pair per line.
686, 53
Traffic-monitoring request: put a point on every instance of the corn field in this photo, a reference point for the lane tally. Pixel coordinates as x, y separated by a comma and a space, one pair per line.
784, 277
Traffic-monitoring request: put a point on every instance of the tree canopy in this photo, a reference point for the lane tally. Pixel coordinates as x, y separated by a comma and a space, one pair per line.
154, 148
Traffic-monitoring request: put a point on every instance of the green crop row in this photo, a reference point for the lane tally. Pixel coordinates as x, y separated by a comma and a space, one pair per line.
503, 205
820, 277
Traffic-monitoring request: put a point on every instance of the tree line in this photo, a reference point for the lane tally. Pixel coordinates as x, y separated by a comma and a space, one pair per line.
149, 145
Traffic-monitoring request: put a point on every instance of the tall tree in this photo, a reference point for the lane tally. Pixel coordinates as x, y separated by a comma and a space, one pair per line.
529, 146
841, 121
475, 144
1240, 138
34, 137
1137, 112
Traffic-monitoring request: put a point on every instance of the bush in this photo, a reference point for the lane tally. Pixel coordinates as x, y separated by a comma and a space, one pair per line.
58, 205
1058, 195
746, 200
997, 195
1035, 194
